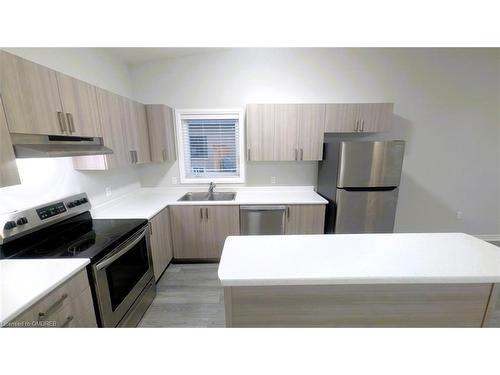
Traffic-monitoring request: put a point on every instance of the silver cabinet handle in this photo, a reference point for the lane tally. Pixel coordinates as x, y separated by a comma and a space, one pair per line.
122, 250
362, 125
301, 154
248, 154
356, 127
206, 212
68, 320
288, 212
136, 158
52, 308
201, 213
131, 156
296, 154
150, 228
164, 154
62, 121
69, 116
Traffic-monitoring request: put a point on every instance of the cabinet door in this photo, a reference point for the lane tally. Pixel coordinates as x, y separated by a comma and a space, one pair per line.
375, 117
136, 130
260, 124
341, 118
113, 132
286, 133
161, 242
79, 102
311, 131
305, 219
30, 96
187, 223
8, 168
161, 132
220, 222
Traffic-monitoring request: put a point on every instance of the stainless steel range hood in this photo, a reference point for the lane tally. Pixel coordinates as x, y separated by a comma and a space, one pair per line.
54, 146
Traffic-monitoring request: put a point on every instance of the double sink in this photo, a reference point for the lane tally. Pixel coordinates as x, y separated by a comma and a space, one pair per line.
204, 197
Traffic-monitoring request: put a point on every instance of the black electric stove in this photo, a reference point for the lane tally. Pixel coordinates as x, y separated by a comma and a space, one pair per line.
79, 236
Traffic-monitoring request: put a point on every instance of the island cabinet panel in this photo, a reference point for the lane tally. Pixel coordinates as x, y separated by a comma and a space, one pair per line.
69, 305
199, 232
8, 168
305, 219
382, 305
79, 102
161, 132
161, 242
30, 97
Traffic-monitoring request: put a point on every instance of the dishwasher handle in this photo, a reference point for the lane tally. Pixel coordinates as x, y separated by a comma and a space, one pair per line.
266, 207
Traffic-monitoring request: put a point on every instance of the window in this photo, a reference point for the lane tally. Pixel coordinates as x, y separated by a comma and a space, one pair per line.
210, 145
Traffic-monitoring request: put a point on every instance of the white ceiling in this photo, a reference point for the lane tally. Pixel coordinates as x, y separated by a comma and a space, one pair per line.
138, 55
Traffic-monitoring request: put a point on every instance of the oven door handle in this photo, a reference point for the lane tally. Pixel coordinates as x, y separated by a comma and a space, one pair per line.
127, 247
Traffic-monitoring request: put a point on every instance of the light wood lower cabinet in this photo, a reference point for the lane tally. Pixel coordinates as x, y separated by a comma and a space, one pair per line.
305, 219
161, 132
199, 232
69, 305
8, 168
161, 242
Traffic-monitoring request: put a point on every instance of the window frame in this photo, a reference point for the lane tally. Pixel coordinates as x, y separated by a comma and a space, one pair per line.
239, 114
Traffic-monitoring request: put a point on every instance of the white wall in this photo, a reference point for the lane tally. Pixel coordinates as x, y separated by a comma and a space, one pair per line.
47, 179
445, 108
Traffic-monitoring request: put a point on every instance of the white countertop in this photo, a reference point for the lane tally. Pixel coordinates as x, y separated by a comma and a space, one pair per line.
144, 203
24, 282
358, 259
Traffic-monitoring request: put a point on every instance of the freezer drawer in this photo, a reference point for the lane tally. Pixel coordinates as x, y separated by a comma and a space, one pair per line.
370, 164
365, 211
261, 220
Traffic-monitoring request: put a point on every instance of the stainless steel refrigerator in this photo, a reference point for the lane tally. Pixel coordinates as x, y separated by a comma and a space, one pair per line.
360, 180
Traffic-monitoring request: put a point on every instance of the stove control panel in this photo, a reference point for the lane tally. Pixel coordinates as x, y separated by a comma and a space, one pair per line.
19, 223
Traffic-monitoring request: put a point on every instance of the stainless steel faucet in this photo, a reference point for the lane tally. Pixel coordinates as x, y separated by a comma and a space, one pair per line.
211, 188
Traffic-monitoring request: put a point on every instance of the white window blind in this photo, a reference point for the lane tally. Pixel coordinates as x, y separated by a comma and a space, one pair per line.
211, 147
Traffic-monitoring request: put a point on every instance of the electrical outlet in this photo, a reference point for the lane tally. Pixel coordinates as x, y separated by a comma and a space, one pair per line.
108, 191
273, 180
174, 181
460, 215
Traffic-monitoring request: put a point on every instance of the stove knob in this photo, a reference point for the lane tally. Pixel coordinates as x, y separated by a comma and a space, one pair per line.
9, 225
71, 205
22, 221
84, 200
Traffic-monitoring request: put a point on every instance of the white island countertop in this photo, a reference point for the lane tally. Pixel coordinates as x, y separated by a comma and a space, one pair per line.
144, 203
24, 282
358, 259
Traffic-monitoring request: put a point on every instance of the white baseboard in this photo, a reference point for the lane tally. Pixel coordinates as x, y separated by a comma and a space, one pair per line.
488, 237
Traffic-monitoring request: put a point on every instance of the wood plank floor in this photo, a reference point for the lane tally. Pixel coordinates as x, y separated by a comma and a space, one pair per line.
187, 295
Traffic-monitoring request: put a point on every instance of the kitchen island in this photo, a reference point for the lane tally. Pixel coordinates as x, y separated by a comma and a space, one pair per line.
364, 280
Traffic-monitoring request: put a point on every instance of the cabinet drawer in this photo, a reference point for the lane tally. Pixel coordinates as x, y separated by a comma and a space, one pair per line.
73, 298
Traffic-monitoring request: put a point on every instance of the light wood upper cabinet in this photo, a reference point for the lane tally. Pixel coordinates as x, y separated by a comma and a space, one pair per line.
358, 117
311, 131
136, 129
79, 103
8, 168
260, 124
305, 219
199, 232
286, 132
30, 97
161, 132
161, 242
113, 132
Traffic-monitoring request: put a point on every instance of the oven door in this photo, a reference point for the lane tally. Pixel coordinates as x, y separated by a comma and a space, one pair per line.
121, 276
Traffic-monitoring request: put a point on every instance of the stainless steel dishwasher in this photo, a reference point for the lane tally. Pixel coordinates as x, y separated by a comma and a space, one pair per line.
265, 219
